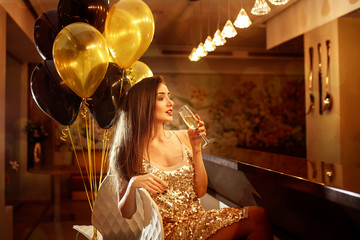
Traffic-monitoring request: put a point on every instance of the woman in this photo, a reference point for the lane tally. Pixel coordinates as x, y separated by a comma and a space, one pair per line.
169, 165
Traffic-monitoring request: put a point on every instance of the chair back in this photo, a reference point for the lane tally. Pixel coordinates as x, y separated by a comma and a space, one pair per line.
145, 224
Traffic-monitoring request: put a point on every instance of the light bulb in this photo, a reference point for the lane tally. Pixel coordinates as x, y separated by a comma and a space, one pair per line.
200, 51
242, 20
228, 30
260, 8
209, 45
193, 56
218, 40
278, 2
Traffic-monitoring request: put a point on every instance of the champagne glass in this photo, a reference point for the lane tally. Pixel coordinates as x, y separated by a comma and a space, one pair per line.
192, 122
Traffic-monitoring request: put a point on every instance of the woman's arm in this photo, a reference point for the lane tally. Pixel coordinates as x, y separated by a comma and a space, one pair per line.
127, 202
201, 180
194, 140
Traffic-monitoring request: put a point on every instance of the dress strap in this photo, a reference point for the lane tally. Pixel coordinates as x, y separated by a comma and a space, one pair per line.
185, 148
177, 137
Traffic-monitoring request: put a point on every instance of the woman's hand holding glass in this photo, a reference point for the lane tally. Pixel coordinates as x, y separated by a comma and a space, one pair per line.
195, 125
150, 182
195, 134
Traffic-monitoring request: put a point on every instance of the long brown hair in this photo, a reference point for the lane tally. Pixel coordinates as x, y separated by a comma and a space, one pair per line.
133, 129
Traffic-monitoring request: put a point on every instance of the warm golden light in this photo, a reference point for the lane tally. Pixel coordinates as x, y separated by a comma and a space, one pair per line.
218, 40
200, 51
260, 8
242, 20
278, 2
209, 45
193, 56
228, 30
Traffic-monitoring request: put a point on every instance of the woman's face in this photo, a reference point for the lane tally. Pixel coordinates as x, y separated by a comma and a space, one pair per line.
163, 108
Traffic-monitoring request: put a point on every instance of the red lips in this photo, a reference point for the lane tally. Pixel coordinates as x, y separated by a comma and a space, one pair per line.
169, 112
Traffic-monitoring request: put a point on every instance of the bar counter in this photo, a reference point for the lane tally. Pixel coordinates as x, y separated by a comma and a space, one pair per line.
298, 208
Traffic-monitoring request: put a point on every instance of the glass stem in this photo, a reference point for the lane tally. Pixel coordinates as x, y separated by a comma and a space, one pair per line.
204, 138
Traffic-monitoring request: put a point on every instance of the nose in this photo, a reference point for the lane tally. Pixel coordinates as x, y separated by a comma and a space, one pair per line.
170, 102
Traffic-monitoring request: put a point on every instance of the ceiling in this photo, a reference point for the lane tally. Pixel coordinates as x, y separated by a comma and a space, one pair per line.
181, 25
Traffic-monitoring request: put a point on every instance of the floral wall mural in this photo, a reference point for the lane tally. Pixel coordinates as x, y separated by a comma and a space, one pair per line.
258, 112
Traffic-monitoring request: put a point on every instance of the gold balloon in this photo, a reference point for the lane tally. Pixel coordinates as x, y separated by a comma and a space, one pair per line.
138, 71
129, 29
81, 57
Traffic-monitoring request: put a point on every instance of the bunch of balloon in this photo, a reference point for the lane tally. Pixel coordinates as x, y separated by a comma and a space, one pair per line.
90, 60
75, 63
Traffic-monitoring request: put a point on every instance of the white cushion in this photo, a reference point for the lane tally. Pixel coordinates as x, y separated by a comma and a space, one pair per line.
146, 223
87, 231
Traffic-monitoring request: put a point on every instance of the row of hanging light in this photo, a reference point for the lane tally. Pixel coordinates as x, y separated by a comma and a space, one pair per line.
242, 21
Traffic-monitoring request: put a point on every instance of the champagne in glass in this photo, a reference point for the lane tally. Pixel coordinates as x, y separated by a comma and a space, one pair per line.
192, 122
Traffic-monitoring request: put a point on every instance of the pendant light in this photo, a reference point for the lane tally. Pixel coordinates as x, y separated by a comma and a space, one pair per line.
260, 8
218, 40
200, 51
242, 20
278, 2
193, 56
228, 31
209, 45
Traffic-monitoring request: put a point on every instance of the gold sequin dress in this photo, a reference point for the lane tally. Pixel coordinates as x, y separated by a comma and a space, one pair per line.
183, 216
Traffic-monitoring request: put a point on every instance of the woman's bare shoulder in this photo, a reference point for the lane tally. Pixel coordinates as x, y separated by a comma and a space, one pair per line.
181, 133
184, 137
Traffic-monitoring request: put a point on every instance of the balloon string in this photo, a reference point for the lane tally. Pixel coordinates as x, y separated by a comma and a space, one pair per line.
85, 105
78, 163
131, 75
94, 156
91, 165
64, 136
83, 114
104, 153
82, 149
88, 141
122, 82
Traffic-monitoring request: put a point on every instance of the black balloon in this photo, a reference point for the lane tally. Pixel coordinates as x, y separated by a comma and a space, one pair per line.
45, 31
52, 95
93, 12
108, 97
